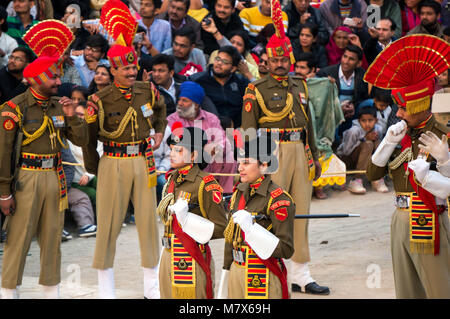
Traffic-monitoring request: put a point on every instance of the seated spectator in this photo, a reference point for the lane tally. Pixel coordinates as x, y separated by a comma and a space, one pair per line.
256, 18
22, 22
157, 31
446, 35
261, 41
380, 37
389, 9
168, 83
102, 78
305, 65
382, 103
74, 19
443, 81
410, 14
190, 114
358, 144
188, 58
7, 43
445, 13
306, 42
339, 40
429, 12
263, 69
348, 76
178, 18
11, 76
300, 12
222, 85
79, 204
247, 66
225, 20
93, 54
162, 162
337, 13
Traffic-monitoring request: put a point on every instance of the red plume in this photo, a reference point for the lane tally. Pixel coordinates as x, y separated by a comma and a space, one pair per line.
238, 141
177, 129
118, 21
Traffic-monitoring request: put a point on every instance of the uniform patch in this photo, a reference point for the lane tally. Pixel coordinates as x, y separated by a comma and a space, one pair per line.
208, 178
248, 106
250, 96
281, 214
251, 87
9, 124
91, 110
279, 204
214, 186
217, 197
276, 192
11, 115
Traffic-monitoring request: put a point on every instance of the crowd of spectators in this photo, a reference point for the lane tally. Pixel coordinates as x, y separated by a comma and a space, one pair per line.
217, 47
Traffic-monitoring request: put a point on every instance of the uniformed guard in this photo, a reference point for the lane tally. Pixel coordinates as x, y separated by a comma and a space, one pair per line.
278, 103
260, 229
195, 216
419, 227
33, 193
123, 116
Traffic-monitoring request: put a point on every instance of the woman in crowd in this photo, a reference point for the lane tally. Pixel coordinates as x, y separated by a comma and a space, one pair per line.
102, 78
341, 37
410, 14
306, 42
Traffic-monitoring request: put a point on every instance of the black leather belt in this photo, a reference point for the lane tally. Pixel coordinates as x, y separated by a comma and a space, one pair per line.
39, 163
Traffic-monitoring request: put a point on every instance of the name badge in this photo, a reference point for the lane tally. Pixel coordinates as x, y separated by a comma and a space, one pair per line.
238, 256
295, 136
58, 121
276, 98
402, 201
147, 110
47, 163
133, 149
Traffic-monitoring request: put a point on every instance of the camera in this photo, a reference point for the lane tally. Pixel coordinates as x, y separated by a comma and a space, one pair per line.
138, 38
207, 19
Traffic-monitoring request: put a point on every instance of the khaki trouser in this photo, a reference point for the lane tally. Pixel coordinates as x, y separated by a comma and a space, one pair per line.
37, 213
292, 176
119, 180
237, 281
419, 275
165, 273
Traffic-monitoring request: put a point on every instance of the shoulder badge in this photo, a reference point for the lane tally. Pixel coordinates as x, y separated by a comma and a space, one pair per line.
251, 86
276, 192
217, 196
281, 213
248, 106
90, 112
10, 115
95, 98
214, 187
9, 124
279, 204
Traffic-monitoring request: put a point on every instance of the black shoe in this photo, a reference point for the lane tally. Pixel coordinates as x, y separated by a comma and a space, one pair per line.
312, 288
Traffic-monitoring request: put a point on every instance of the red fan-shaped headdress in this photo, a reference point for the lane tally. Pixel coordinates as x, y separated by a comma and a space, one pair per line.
279, 44
408, 67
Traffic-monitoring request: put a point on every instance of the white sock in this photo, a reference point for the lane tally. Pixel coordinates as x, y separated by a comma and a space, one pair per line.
106, 284
50, 292
9, 293
151, 283
300, 274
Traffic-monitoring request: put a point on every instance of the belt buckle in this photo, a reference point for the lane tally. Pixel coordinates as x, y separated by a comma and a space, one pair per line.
47, 163
238, 256
133, 149
295, 136
402, 201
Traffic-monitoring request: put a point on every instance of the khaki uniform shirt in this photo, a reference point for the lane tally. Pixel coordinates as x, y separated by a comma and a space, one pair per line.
115, 108
204, 195
275, 211
274, 96
73, 128
400, 179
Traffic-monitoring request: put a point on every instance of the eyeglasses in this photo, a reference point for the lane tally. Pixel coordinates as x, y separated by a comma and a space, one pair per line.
95, 50
16, 58
219, 59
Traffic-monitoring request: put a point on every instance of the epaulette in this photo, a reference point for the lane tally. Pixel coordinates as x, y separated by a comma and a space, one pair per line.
154, 90
276, 192
94, 98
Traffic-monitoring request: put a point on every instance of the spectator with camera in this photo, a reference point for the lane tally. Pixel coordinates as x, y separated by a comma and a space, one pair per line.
221, 22
352, 13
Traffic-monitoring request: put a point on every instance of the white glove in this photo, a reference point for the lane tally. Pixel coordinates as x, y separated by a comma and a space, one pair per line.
180, 208
438, 148
420, 168
244, 219
396, 132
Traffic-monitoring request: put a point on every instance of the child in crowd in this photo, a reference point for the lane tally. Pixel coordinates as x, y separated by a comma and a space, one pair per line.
358, 144
383, 104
